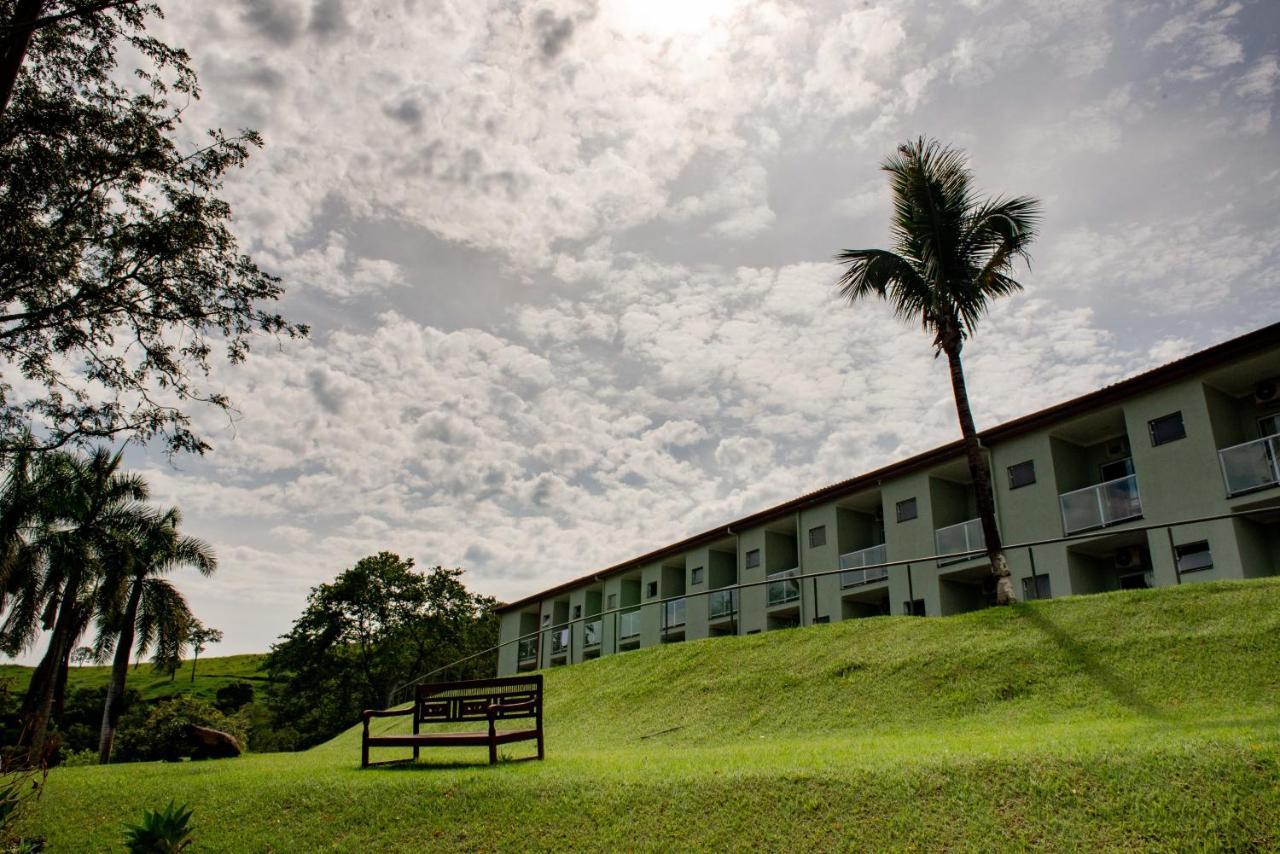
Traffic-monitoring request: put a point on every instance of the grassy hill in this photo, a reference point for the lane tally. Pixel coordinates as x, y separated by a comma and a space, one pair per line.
211, 674
1142, 720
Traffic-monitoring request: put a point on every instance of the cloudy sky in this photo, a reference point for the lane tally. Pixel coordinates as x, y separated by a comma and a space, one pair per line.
567, 262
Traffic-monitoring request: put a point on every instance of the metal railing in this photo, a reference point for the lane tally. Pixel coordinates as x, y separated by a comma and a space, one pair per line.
958, 542
560, 642
1101, 505
722, 603
784, 587
629, 624
404, 691
527, 650
1251, 465
591, 633
858, 562
673, 613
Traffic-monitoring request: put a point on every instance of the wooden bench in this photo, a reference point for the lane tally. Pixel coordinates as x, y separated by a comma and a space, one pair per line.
490, 700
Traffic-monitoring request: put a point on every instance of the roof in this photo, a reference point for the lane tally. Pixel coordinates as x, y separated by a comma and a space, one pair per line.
1212, 357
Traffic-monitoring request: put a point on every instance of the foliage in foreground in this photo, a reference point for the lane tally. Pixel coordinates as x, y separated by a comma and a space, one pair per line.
160, 832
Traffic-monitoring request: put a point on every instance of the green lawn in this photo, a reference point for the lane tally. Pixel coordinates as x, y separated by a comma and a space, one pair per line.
1143, 720
211, 674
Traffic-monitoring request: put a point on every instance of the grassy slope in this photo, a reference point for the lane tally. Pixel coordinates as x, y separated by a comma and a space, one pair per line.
211, 674
1137, 720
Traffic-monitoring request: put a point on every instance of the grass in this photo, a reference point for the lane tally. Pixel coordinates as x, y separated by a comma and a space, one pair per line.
1144, 720
211, 674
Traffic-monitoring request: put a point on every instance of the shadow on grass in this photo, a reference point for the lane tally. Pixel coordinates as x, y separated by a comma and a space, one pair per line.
1106, 677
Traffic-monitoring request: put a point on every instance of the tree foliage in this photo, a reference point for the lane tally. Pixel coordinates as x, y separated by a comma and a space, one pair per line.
120, 279
377, 625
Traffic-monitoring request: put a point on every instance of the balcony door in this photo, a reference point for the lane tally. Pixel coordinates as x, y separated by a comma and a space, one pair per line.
1116, 469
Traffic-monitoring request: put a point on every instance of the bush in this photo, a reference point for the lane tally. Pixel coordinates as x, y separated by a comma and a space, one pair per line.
78, 758
163, 734
231, 698
160, 832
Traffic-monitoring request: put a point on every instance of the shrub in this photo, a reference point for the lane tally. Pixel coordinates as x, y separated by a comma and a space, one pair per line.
231, 698
163, 734
160, 832
78, 758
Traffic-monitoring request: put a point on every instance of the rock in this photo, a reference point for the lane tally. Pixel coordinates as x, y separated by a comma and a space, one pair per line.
212, 743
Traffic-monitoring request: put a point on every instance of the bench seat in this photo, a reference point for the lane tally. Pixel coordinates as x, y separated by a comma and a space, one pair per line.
450, 739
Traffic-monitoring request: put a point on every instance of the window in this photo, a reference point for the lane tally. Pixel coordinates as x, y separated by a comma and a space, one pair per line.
546, 618
1036, 587
1194, 556
577, 612
1167, 428
913, 607
651, 590
1117, 469
612, 601
696, 575
907, 510
1268, 425
1022, 474
753, 558
817, 536
825, 618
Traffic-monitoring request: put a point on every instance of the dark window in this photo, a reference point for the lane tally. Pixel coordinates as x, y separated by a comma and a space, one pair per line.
753, 558
817, 536
825, 618
1022, 474
1135, 581
1036, 587
913, 607
546, 618
1116, 470
652, 590
1194, 556
1167, 428
696, 575
907, 510
577, 612
613, 601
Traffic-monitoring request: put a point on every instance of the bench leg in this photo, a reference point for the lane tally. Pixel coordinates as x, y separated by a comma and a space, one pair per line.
539, 744
493, 753
364, 752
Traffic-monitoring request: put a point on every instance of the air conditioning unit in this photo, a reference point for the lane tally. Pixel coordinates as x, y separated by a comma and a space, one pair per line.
1129, 557
1267, 392
1118, 447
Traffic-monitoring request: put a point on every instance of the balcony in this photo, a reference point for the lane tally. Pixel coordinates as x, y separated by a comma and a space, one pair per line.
629, 624
856, 562
721, 603
1251, 466
1101, 505
673, 613
527, 650
783, 587
559, 642
591, 633
955, 542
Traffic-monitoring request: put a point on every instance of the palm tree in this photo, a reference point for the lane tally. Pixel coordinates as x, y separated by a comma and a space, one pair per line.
953, 253
138, 610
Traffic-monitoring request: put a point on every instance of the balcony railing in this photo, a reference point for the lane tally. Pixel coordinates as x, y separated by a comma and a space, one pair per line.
560, 642
629, 624
527, 649
721, 603
855, 563
591, 633
783, 587
1101, 505
1253, 465
957, 539
673, 613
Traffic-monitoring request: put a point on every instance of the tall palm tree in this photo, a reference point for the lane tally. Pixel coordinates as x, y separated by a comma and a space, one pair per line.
139, 610
953, 253
92, 501
25, 515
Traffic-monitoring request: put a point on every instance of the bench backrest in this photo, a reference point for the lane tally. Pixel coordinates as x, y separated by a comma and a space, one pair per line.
451, 702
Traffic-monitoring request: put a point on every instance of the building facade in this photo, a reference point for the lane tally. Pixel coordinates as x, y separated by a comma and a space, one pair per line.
1096, 483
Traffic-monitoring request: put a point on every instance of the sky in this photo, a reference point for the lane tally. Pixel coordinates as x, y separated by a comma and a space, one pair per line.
568, 264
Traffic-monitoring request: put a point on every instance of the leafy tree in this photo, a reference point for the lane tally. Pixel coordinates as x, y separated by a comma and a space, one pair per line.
378, 624
84, 655
120, 280
953, 253
139, 610
200, 637
161, 731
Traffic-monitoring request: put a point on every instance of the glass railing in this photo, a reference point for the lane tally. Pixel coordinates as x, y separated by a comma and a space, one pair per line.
957, 539
1253, 465
673, 613
629, 624
591, 633
527, 649
1101, 505
560, 642
856, 561
783, 587
721, 603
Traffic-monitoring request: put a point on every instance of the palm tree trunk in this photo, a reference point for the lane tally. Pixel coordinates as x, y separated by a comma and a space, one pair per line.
119, 674
13, 50
980, 473
40, 696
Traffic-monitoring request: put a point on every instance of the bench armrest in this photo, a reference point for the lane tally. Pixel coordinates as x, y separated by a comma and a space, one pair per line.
385, 713
511, 707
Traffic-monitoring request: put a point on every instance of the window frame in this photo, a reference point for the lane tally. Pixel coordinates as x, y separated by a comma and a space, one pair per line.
611, 602
1182, 427
1184, 550
907, 502
1036, 580
1029, 464
651, 590
696, 575
747, 558
821, 531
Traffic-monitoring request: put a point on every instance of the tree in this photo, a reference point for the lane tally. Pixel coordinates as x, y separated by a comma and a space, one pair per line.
84, 655
953, 253
139, 610
120, 279
199, 638
378, 624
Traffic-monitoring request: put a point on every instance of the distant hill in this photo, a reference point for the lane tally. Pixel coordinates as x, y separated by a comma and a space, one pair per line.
211, 674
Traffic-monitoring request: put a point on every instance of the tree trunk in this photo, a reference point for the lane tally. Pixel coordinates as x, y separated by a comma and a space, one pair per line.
194, 658
119, 674
980, 473
39, 705
14, 49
